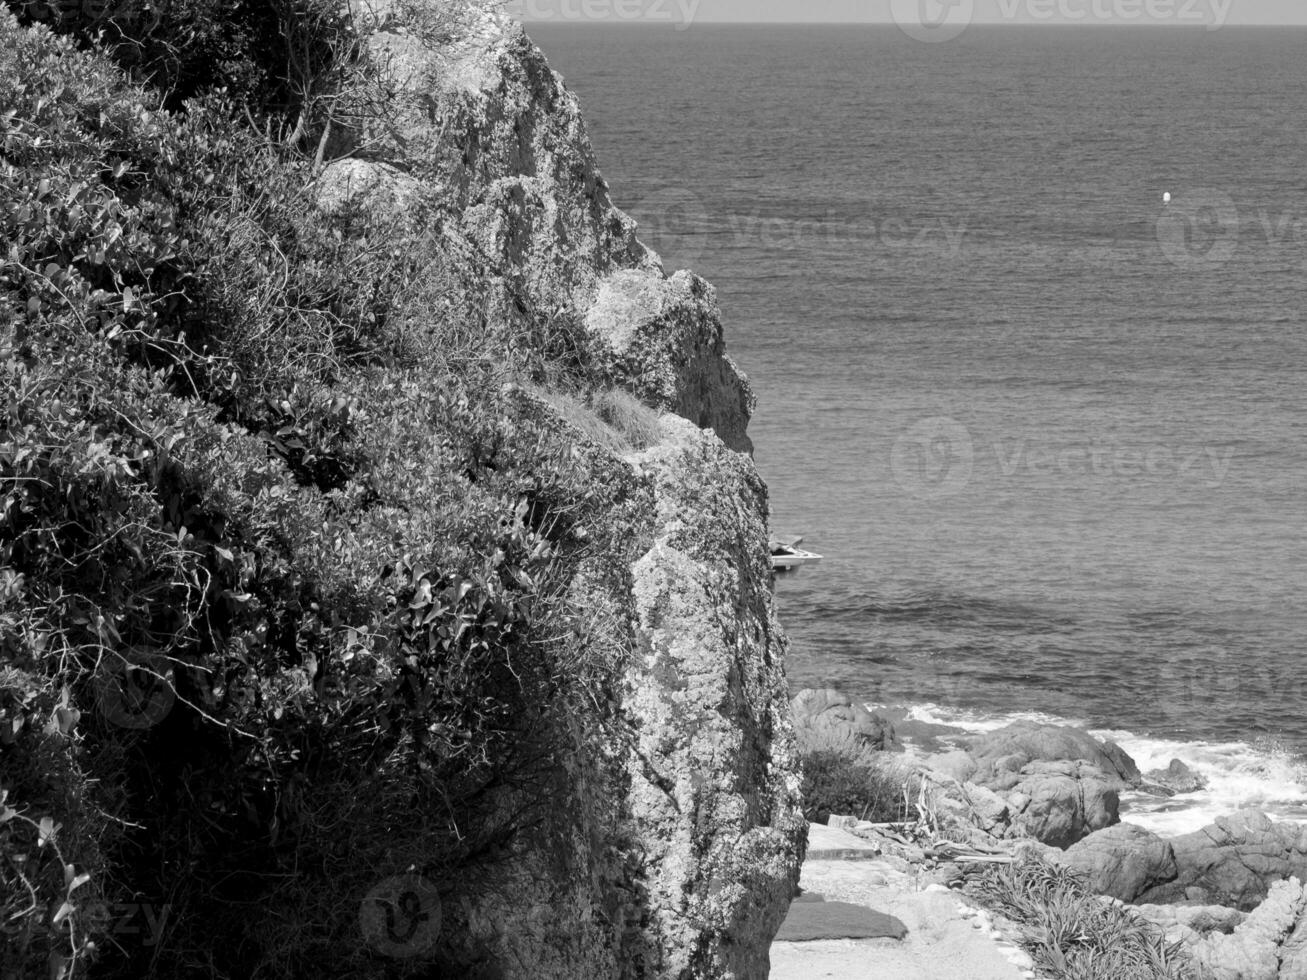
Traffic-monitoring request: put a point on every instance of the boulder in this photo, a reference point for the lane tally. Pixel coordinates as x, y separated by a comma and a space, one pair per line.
1190, 923
840, 715
1122, 861
1006, 751
1177, 777
989, 811
1059, 803
1233, 861
1256, 949
957, 765
716, 802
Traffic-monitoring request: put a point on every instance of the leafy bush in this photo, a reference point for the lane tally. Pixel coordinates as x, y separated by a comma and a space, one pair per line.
834, 783
268, 52
266, 470
1073, 934
844, 777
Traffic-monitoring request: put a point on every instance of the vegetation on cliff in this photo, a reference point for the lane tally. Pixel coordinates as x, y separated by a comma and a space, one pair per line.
285, 549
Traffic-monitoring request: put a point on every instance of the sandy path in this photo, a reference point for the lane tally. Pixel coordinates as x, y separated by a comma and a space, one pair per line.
943, 941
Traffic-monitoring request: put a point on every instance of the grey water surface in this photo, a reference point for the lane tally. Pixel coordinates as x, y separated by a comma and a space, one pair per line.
1049, 433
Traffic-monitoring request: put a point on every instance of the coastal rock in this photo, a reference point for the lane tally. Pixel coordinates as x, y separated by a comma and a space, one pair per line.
1233, 861
664, 335
497, 132
1190, 923
1006, 751
1058, 803
1122, 861
1055, 802
716, 798
1178, 778
1267, 945
989, 811
836, 713
674, 848
957, 765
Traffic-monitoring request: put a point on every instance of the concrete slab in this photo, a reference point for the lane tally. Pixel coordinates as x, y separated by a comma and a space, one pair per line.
811, 921
830, 844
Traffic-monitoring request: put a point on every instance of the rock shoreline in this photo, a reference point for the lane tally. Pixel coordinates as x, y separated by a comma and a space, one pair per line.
1231, 893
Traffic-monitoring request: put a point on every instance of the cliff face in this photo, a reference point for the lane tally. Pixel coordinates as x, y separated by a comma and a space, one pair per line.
485, 119
676, 848
383, 575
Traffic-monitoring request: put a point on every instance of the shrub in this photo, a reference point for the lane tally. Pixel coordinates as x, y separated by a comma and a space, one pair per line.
274, 52
1073, 934
264, 465
837, 783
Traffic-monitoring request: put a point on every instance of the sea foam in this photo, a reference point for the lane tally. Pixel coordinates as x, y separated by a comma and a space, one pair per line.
1261, 774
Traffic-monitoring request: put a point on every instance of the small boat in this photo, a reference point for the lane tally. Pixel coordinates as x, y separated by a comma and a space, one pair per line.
786, 555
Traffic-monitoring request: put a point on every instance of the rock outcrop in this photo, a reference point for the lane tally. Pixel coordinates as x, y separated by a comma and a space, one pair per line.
843, 718
1270, 944
709, 703
1176, 778
1190, 923
704, 799
485, 123
1008, 750
1124, 861
1232, 862
1055, 784
1059, 803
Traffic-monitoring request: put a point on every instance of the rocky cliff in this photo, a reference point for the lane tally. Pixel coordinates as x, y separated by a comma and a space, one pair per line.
710, 795
443, 553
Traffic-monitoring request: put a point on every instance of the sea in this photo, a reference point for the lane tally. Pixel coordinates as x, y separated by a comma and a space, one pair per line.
1024, 316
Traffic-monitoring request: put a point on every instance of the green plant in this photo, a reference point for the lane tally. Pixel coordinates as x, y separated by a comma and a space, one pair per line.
271, 456
835, 783
1072, 933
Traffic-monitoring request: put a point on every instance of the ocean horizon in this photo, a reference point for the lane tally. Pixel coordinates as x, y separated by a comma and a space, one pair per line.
1023, 312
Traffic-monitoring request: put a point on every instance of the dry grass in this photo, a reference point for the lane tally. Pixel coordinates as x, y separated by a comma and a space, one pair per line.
613, 419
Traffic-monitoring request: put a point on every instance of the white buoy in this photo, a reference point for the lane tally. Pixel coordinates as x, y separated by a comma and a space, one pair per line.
1166, 198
